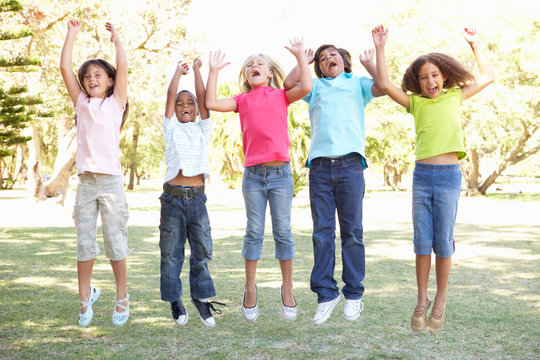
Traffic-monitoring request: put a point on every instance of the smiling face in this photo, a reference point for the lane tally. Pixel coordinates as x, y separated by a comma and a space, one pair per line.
186, 107
257, 71
96, 82
331, 63
431, 80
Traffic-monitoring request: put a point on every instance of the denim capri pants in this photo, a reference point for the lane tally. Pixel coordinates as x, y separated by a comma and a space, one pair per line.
435, 197
273, 185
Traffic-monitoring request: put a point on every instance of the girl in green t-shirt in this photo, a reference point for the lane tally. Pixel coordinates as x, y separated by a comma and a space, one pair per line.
438, 84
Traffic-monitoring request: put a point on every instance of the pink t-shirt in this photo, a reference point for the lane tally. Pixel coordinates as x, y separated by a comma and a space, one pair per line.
98, 135
263, 119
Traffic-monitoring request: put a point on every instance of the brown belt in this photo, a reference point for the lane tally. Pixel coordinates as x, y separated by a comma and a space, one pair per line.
186, 193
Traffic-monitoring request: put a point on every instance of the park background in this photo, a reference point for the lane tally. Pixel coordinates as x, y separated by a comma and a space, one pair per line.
494, 301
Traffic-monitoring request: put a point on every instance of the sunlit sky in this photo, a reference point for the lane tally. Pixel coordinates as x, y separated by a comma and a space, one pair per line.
243, 27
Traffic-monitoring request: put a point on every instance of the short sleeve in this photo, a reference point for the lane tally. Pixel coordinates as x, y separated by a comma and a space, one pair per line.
238, 98
366, 85
206, 126
307, 98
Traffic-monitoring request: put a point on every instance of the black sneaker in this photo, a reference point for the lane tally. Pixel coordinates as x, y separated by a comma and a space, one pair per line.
179, 313
204, 311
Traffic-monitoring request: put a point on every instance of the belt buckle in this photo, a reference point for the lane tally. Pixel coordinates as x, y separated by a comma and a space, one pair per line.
188, 193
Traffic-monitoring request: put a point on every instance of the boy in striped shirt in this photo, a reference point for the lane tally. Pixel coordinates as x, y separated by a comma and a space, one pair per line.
183, 202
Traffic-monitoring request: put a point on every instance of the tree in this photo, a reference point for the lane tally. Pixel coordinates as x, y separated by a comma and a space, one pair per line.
503, 128
152, 41
15, 104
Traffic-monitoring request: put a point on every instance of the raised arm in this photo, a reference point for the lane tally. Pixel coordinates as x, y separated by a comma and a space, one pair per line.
181, 69
216, 63
484, 66
366, 59
380, 35
200, 91
294, 76
70, 79
120, 85
304, 84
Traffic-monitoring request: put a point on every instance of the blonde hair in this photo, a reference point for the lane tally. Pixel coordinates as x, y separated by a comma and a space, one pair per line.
276, 81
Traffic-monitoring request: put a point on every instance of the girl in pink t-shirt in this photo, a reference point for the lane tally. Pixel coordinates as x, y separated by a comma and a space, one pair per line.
99, 96
262, 107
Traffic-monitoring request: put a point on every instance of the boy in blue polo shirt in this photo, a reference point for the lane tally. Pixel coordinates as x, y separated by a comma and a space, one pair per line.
336, 180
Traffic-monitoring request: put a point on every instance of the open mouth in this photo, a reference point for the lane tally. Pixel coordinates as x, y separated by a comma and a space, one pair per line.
255, 73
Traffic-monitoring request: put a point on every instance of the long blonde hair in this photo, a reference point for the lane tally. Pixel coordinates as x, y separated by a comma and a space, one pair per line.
276, 81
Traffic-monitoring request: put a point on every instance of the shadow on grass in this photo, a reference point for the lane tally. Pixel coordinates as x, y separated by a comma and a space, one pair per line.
491, 310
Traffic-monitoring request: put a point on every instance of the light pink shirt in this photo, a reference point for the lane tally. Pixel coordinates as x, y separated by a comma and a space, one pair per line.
98, 135
264, 120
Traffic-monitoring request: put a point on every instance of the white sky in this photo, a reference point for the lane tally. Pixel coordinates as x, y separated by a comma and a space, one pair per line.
241, 28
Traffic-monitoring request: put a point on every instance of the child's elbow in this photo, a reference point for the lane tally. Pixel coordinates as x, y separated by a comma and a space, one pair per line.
307, 87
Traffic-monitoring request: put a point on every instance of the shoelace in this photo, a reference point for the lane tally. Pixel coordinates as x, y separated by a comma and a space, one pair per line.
211, 306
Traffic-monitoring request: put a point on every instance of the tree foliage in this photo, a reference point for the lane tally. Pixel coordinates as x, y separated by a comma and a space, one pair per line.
16, 105
500, 124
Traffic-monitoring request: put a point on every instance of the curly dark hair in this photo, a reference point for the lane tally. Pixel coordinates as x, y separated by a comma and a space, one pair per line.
345, 55
454, 72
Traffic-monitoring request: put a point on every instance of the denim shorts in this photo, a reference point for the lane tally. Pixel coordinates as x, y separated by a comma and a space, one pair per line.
103, 194
435, 197
273, 185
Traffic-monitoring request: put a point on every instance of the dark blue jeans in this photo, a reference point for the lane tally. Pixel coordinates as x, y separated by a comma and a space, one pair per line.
181, 219
337, 184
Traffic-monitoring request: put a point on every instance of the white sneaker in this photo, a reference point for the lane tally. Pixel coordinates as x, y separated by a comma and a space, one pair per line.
352, 309
324, 310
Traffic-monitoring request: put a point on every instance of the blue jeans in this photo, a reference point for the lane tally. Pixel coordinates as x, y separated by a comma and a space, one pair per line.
181, 219
435, 197
262, 185
337, 184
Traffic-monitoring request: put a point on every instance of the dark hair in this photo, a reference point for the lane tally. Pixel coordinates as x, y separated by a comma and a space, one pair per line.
190, 93
454, 72
110, 71
345, 55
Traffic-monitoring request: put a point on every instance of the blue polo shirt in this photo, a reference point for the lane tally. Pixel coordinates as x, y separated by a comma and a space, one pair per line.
336, 112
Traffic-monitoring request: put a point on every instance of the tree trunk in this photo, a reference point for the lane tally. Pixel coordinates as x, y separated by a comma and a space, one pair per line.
133, 160
472, 173
63, 166
35, 182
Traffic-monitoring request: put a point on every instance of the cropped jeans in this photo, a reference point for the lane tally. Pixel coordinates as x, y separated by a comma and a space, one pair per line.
337, 183
273, 185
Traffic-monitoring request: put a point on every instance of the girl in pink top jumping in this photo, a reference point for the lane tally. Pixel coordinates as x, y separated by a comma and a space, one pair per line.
262, 107
99, 96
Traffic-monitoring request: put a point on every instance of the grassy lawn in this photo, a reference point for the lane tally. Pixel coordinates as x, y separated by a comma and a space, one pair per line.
493, 303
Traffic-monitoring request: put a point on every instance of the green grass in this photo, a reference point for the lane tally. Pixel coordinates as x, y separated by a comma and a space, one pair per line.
492, 310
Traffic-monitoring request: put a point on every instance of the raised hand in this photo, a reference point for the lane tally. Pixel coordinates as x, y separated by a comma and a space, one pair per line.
367, 56
380, 35
296, 46
197, 63
309, 56
183, 67
110, 27
217, 60
74, 26
471, 35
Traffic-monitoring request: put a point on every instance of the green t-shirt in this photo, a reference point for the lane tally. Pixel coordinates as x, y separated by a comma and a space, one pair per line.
438, 124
